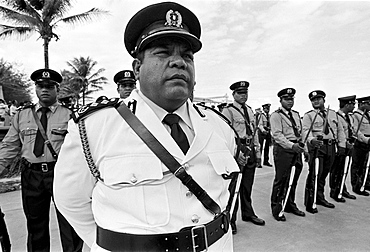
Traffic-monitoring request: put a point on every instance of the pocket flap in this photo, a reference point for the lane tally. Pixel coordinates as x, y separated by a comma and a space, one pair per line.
223, 162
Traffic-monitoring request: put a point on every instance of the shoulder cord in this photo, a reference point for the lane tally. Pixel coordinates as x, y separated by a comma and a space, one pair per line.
86, 149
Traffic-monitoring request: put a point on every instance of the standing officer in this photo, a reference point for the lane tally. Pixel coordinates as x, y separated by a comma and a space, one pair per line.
130, 200
362, 145
286, 128
126, 82
27, 136
346, 106
264, 134
327, 131
242, 118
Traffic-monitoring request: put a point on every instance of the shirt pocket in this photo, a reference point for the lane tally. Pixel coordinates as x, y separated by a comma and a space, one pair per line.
58, 132
138, 178
29, 135
223, 162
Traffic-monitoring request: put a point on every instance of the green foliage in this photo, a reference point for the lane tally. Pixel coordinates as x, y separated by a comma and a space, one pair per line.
16, 85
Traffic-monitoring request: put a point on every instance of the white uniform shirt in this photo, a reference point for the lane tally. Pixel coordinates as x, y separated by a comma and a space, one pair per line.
139, 194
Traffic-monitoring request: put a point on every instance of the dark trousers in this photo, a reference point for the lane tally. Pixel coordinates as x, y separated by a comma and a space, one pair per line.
245, 189
37, 192
265, 149
337, 173
326, 155
359, 159
284, 160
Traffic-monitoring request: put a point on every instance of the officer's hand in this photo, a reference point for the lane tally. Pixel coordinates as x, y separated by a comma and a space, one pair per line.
297, 148
242, 160
306, 156
349, 145
316, 143
258, 161
341, 151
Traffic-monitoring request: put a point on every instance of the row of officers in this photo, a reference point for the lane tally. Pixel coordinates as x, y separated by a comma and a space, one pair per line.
95, 166
334, 143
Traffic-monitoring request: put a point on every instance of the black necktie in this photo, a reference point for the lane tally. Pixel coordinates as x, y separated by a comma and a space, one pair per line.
39, 142
247, 124
268, 120
177, 133
350, 132
326, 130
293, 124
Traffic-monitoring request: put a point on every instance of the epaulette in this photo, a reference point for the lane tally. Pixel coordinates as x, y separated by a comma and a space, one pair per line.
278, 110
229, 105
92, 107
28, 106
295, 111
198, 109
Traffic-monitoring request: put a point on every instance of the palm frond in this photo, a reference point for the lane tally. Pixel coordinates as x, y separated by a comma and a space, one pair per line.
19, 18
83, 17
21, 32
54, 9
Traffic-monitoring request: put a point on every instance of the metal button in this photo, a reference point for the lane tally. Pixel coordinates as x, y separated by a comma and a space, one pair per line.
189, 194
195, 218
186, 166
133, 179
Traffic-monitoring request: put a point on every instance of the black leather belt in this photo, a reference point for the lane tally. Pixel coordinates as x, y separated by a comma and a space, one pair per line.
195, 238
329, 141
44, 167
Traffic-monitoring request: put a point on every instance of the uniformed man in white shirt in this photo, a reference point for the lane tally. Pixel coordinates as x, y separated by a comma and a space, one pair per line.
326, 136
38, 160
336, 182
242, 118
130, 200
126, 82
362, 146
286, 130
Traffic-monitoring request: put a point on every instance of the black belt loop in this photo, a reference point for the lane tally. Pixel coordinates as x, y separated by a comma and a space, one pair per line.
194, 238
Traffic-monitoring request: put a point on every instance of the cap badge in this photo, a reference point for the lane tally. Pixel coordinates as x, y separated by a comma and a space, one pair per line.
173, 18
314, 93
45, 75
127, 74
289, 91
242, 84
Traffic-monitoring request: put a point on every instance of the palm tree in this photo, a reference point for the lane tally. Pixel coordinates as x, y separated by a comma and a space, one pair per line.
83, 73
40, 16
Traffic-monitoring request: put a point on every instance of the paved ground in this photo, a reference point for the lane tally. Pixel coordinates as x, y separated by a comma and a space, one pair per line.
345, 228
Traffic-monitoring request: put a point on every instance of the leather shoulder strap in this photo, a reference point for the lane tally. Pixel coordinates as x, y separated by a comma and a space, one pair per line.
43, 134
175, 167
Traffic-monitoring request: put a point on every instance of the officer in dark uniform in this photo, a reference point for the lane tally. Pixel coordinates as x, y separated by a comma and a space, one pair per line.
327, 131
264, 135
242, 118
286, 129
362, 145
126, 82
38, 160
346, 106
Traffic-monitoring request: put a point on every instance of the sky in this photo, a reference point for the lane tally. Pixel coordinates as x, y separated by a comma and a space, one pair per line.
306, 45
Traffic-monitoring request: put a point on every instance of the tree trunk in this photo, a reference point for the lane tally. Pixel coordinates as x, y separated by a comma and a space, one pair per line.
46, 52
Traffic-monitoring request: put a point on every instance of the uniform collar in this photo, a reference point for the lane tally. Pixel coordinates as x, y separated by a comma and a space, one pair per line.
161, 113
52, 107
238, 105
285, 110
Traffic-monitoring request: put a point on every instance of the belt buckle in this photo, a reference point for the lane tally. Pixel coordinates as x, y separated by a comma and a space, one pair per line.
193, 235
330, 141
44, 167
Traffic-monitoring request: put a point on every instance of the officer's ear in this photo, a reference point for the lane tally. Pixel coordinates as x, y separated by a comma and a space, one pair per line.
136, 64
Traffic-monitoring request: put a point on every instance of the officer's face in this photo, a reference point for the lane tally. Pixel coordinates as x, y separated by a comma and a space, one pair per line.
240, 97
125, 89
287, 102
46, 92
166, 72
318, 102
